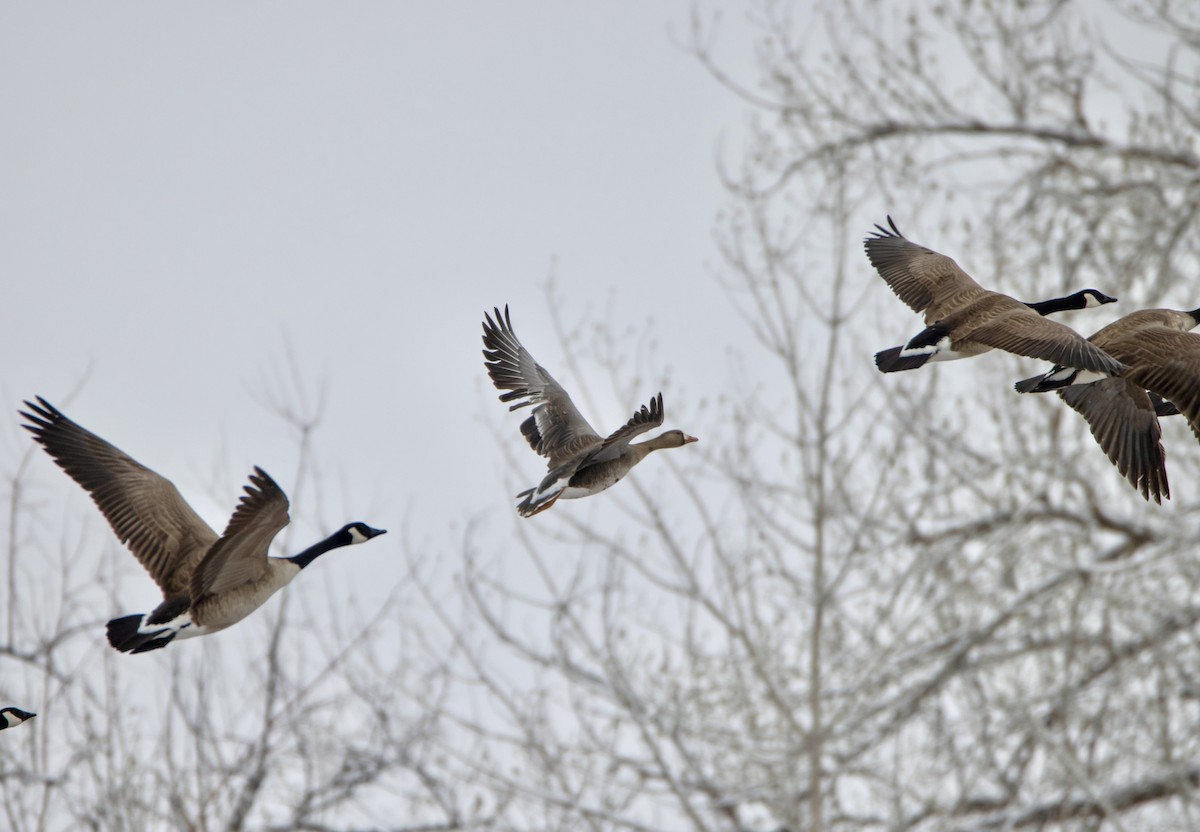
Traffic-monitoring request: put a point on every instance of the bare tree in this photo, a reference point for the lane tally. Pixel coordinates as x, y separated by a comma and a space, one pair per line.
913, 602
906, 602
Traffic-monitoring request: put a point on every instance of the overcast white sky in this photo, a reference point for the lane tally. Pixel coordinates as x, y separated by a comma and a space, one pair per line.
184, 189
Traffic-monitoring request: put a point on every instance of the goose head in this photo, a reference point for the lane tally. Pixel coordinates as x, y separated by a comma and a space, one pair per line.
356, 532
1195, 313
14, 716
1091, 298
671, 439
347, 535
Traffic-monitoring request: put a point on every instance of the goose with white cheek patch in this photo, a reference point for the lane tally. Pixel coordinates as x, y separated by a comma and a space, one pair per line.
1163, 379
581, 462
962, 319
11, 717
209, 581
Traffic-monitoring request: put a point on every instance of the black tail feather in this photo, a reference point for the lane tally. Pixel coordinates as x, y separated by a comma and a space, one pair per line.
153, 644
123, 635
527, 507
1028, 385
890, 361
1162, 407
1043, 383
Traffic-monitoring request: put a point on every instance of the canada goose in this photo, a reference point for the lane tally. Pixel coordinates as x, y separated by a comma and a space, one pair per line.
1163, 379
209, 582
13, 716
581, 463
962, 319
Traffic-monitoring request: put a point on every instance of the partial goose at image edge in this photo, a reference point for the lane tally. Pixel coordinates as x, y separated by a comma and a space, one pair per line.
1163, 379
11, 717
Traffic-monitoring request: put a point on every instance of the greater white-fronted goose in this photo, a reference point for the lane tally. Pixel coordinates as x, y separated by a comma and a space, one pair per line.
1163, 378
208, 581
11, 717
962, 319
581, 462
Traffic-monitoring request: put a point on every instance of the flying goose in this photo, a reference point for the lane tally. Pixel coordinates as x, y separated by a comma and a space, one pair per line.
209, 581
581, 463
1163, 379
962, 319
13, 716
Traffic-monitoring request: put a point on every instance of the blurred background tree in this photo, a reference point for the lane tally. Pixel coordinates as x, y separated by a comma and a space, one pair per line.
862, 602
905, 602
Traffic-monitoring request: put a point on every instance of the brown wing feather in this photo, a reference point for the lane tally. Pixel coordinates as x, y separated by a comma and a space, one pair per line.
1163, 359
556, 429
145, 510
1018, 329
919, 276
1123, 422
240, 556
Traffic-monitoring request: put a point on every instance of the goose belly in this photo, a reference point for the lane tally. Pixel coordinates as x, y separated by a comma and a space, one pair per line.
593, 480
220, 611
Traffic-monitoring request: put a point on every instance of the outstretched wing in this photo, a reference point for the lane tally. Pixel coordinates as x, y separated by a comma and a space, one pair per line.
648, 417
1122, 419
919, 276
145, 510
1022, 331
556, 429
240, 556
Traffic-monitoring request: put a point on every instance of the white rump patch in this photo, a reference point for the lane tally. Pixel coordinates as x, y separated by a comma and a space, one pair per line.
947, 354
1081, 377
181, 626
941, 351
540, 495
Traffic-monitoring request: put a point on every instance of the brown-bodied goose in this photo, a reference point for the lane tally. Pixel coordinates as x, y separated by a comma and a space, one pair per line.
208, 581
1164, 364
962, 319
581, 462
11, 717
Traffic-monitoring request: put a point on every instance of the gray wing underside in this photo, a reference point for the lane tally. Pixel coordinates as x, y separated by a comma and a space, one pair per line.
556, 429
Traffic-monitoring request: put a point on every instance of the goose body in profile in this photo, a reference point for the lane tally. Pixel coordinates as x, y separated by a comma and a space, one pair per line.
11, 717
581, 462
209, 581
1163, 379
962, 319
